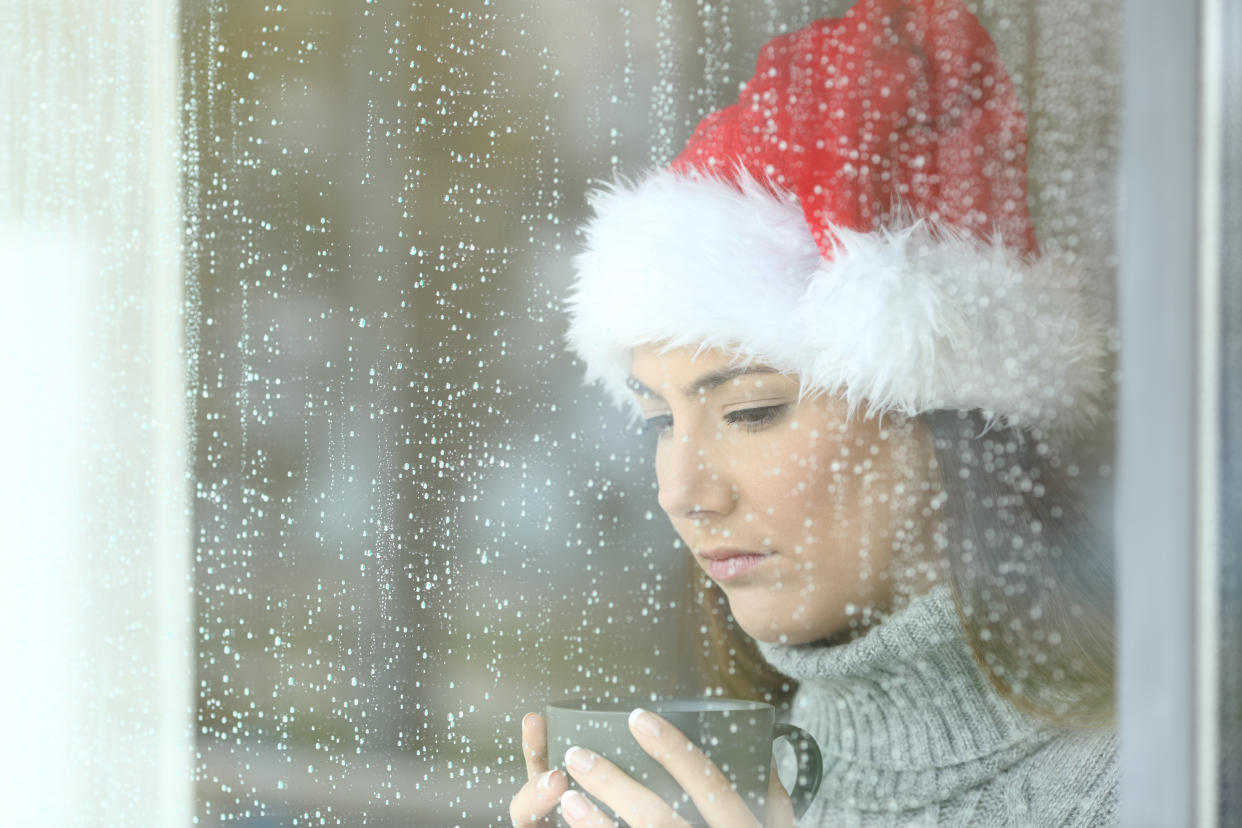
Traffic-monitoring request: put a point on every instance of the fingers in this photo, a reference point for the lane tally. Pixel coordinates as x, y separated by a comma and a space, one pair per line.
539, 796
580, 812
708, 788
606, 782
535, 744
780, 812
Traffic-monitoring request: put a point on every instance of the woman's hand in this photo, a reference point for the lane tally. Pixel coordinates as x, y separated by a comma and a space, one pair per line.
539, 795
699, 777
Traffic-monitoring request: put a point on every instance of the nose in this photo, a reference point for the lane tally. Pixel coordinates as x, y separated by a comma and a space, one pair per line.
691, 484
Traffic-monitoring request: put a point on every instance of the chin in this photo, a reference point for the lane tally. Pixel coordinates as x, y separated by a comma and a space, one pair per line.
772, 633
795, 631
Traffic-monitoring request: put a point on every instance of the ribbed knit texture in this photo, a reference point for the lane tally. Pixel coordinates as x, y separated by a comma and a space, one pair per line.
913, 734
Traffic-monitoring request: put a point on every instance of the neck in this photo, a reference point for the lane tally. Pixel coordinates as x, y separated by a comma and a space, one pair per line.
902, 713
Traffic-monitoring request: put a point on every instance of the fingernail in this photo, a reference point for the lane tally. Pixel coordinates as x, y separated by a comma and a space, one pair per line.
579, 759
645, 722
545, 781
526, 719
575, 804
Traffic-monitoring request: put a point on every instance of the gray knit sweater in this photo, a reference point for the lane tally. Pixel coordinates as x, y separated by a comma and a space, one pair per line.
913, 734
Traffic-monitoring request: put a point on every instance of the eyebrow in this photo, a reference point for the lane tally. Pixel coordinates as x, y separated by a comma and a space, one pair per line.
707, 382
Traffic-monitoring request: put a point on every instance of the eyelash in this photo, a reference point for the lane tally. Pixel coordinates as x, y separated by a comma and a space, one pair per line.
748, 419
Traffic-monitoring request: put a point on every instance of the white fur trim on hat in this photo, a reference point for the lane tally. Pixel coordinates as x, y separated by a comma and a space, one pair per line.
906, 319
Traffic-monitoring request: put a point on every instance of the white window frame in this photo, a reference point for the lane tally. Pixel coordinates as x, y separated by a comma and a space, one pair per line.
97, 592
1168, 451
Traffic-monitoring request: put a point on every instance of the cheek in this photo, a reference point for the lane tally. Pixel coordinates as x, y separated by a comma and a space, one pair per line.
827, 501
797, 482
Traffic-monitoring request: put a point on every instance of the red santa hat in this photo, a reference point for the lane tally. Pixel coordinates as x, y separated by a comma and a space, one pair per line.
859, 219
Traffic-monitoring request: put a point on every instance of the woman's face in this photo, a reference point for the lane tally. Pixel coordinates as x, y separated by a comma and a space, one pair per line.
839, 508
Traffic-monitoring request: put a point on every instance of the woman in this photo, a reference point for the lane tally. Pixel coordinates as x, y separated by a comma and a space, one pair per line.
865, 380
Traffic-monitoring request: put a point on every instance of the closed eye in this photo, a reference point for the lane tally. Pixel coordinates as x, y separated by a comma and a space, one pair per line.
753, 419
660, 424
748, 419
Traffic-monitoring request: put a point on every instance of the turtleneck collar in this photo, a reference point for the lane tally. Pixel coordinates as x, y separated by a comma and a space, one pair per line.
903, 715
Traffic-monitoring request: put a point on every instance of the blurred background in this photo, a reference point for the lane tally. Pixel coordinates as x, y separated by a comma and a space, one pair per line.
412, 524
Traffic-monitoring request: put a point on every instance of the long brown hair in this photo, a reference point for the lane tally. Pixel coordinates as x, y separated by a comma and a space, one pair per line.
1030, 569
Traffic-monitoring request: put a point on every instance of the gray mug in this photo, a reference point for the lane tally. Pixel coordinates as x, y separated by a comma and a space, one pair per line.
736, 734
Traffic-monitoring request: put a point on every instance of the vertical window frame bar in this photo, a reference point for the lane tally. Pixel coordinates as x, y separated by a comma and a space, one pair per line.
1160, 534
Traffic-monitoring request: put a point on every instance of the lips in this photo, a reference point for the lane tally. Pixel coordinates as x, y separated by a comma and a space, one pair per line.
724, 554
731, 564
725, 564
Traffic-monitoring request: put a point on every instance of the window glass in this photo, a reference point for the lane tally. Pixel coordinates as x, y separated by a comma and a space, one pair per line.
413, 522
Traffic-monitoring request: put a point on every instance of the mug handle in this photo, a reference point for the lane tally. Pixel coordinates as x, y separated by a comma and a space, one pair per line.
810, 765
